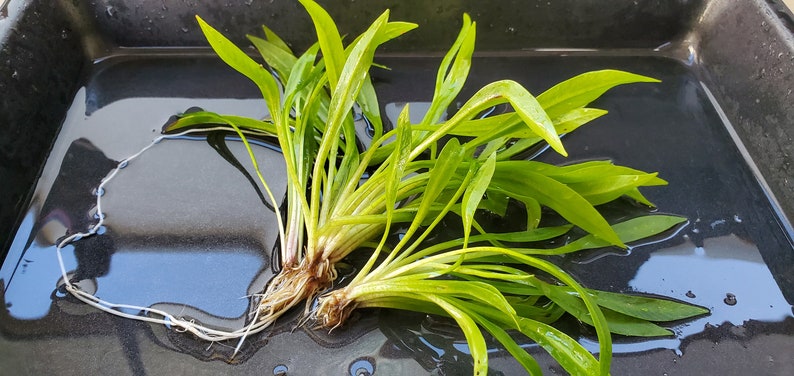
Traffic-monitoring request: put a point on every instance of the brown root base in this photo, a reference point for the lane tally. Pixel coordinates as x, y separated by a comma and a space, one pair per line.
334, 309
293, 286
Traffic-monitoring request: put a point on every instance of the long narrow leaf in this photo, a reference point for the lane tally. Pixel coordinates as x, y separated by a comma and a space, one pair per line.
474, 193
583, 89
477, 347
520, 183
239, 61
330, 41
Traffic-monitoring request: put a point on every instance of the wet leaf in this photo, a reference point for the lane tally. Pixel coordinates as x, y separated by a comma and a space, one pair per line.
583, 89
521, 183
239, 61
474, 192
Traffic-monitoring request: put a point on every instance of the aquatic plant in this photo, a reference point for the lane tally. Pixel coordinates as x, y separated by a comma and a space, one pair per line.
341, 197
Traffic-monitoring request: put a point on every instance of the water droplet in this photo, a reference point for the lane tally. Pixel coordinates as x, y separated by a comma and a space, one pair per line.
280, 370
15, 75
737, 219
61, 292
98, 216
730, 299
184, 29
8, 304
362, 367
123, 164
110, 11
64, 34
690, 294
99, 192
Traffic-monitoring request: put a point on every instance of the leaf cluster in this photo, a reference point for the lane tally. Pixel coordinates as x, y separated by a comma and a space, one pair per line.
341, 196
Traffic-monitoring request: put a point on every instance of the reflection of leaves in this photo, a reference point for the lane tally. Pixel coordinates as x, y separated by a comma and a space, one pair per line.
217, 140
430, 340
363, 322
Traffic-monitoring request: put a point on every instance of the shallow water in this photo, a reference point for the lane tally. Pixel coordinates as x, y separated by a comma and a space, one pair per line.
188, 233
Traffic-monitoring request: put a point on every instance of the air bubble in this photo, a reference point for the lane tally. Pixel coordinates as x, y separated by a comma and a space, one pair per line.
99, 192
690, 294
280, 370
362, 367
61, 292
123, 164
730, 299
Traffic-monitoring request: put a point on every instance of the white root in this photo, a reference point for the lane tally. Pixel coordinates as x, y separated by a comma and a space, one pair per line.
155, 316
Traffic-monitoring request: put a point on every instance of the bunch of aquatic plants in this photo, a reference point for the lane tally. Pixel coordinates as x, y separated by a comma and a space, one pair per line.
341, 198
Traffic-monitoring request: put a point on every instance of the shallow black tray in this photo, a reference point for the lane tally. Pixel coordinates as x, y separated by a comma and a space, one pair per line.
86, 84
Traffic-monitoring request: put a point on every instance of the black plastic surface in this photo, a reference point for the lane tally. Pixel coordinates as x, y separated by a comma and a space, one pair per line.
719, 128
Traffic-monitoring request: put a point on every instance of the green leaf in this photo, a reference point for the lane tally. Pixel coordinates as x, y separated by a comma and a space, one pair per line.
239, 61
571, 355
605, 189
646, 307
276, 40
481, 292
282, 61
618, 323
583, 89
210, 118
394, 29
399, 159
451, 76
477, 347
587, 171
474, 193
344, 93
330, 41
505, 91
521, 183
441, 174
566, 123
453, 71
524, 359
496, 203
299, 79
628, 231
